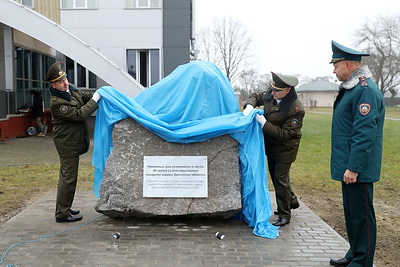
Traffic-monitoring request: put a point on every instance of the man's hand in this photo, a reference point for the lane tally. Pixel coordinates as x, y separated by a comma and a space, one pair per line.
350, 177
96, 96
248, 109
261, 120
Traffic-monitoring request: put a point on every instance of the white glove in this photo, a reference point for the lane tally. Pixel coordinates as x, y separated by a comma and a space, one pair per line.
261, 120
96, 96
247, 110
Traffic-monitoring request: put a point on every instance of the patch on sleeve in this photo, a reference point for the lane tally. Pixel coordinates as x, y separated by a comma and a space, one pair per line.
363, 81
63, 109
294, 123
364, 109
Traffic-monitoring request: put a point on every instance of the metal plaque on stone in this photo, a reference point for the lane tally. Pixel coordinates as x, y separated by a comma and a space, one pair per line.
175, 176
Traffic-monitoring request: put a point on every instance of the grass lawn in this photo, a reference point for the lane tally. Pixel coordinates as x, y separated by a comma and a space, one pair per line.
311, 181
20, 185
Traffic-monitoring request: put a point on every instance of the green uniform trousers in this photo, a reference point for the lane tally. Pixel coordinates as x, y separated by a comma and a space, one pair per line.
67, 181
285, 198
360, 223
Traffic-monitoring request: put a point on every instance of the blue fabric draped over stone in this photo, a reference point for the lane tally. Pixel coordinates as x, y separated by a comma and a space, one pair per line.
192, 104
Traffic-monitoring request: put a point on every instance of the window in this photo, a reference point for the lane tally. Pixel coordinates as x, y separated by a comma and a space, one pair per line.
70, 70
144, 65
92, 80
79, 4
30, 69
79, 75
143, 3
27, 3
155, 66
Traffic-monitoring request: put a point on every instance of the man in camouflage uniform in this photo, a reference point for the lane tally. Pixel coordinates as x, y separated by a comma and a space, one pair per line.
69, 109
281, 125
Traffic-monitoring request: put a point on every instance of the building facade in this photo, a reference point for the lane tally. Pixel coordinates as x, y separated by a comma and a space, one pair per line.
318, 93
143, 39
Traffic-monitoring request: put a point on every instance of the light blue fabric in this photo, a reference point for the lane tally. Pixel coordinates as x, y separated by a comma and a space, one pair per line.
192, 104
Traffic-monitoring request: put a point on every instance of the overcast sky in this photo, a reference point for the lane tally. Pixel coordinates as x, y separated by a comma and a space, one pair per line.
294, 36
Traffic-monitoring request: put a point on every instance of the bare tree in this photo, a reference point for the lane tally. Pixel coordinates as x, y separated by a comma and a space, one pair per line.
381, 38
248, 80
227, 45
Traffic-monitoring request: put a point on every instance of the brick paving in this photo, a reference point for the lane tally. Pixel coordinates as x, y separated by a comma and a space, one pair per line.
306, 241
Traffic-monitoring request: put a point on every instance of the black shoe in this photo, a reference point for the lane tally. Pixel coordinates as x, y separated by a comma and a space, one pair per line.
74, 212
296, 206
339, 263
292, 207
281, 222
70, 218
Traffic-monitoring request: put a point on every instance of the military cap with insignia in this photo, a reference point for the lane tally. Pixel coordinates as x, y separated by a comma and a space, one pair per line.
55, 73
281, 82
341, 52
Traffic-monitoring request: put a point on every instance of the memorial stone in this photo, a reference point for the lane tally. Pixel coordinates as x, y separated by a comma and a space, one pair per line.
121, 193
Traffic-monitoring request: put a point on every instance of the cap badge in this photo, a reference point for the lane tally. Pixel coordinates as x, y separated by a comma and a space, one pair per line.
364, 109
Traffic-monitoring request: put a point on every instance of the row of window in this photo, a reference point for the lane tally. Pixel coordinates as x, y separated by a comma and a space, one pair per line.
31, 68
79, 75
92, 4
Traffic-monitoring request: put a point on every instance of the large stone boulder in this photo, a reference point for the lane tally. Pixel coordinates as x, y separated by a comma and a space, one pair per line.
121, 193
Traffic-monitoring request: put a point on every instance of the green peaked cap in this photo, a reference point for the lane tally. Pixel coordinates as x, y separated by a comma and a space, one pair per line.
281, 81
341, 52
55, 73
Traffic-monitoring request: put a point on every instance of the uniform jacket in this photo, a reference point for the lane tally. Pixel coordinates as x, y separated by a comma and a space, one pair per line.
357, 128
282, 131
69, 113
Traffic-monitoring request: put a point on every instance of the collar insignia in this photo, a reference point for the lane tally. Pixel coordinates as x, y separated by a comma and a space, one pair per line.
363, 81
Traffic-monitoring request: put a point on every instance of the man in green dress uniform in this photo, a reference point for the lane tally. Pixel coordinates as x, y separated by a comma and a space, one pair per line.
281, 125
357, 131
69, 109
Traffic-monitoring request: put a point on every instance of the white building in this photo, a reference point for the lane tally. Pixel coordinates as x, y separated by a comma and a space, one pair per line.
319, 93
128, 44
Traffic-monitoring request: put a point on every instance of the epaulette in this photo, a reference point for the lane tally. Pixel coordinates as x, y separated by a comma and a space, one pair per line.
363, 81
53, 98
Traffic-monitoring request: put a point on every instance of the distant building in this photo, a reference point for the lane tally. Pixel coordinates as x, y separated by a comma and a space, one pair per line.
319, 93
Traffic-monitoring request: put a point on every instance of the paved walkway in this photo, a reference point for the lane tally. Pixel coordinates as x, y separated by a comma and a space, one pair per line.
306, 241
